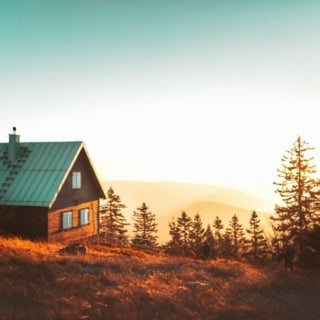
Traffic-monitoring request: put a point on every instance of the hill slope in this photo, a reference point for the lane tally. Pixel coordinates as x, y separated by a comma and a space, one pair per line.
38, 283
168, 199
166, 196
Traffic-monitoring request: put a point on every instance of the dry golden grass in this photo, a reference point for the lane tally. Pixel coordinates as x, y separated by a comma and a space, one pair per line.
38, 283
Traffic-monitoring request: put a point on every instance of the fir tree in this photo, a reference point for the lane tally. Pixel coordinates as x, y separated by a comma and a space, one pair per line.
174, 245
209, 239
227, 250
236, 235
145, 228
197, 234
184, 224
299, 192
257, 243
218, 236
112, 222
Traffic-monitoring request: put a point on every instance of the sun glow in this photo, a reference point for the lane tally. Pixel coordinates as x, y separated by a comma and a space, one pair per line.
208, 93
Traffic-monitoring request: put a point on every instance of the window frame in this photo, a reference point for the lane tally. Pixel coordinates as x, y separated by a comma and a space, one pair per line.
84, 217
76, 180
67, 220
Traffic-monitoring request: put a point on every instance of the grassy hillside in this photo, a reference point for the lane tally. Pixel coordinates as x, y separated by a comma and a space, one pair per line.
38, 283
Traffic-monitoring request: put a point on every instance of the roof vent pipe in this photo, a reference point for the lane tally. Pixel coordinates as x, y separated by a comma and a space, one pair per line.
14, 146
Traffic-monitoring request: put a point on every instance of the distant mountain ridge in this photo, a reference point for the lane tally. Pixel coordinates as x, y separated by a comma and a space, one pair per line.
168, 199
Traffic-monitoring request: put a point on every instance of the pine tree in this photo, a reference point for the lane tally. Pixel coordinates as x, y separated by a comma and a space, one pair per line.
197, 234
236, 235
257, 243
184, 224
312, 246
299, 192
218, 236
209, 239
112, 222
227, 250
174, 245
145, 228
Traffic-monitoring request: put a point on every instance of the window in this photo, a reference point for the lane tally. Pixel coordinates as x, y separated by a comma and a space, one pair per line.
84, 216
76, 180
67, 220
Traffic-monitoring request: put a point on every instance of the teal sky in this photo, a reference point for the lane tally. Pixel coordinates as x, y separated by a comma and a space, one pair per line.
203, 91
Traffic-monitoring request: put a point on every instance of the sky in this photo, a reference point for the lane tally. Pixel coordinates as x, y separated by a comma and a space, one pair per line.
199, 91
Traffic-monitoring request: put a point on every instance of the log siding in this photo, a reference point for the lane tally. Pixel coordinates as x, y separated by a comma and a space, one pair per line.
78, 232
52, 178
88, 192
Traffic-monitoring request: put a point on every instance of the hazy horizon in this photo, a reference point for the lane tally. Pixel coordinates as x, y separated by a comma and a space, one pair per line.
168, 199
270, 201
201, 91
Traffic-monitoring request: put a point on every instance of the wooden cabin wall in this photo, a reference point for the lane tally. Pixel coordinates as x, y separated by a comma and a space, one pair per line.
77, 232
25, 222
89, 190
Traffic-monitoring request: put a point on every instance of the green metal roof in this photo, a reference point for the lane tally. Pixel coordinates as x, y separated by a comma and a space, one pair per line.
37, 175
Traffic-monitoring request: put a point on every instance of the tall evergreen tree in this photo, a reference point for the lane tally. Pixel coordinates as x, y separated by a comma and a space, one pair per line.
112, 222
227, 250
197, 233
299, 192
174, 245
235, 233
209, 239
218, 236
145, 228
184, 224
257, 243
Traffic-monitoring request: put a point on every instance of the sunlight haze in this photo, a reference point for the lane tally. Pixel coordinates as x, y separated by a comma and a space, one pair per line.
208, 92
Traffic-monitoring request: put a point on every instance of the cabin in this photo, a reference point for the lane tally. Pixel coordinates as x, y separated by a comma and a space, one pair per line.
49, 191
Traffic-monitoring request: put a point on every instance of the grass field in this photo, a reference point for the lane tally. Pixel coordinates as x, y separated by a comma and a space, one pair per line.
39, 283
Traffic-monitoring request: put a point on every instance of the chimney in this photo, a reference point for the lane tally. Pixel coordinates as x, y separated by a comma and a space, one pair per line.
14, 146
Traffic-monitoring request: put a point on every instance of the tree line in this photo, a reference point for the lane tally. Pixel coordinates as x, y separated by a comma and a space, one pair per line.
187, 234
295, 222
